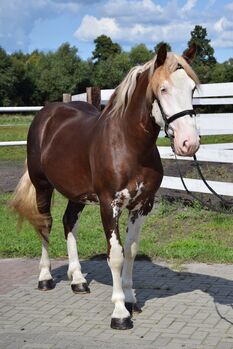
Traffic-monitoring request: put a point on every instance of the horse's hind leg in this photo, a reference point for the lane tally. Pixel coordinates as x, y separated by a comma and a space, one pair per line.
70, 222
43, 198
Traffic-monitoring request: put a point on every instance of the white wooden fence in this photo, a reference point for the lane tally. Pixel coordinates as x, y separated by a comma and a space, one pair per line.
208, 124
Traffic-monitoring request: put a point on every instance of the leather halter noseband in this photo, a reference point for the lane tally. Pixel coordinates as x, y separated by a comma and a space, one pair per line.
168, 120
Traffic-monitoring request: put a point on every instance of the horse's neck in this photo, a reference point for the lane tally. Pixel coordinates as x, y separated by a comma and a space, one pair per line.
138, 115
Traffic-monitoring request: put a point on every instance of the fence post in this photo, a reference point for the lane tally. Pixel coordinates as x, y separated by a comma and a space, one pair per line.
94, 96
66, 97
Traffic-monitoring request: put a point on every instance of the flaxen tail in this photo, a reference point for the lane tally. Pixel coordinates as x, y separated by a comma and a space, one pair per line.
24, 204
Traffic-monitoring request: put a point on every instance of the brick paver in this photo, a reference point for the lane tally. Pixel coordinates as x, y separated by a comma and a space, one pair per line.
190, 309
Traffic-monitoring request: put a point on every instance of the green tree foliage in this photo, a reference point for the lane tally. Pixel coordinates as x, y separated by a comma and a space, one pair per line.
229, 70
104, 48
34, 79
110, 72
204, 60
205, 52
8, 79
140, 54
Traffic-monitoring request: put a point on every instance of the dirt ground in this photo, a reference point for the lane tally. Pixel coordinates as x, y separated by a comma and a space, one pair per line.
11, 171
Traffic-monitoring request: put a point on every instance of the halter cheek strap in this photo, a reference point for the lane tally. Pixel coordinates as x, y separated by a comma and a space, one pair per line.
168, 120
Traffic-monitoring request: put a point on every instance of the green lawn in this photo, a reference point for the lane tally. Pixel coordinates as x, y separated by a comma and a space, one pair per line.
172, 232
15, 128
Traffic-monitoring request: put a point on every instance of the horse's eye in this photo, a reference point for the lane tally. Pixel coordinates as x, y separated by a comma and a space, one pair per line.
163, 90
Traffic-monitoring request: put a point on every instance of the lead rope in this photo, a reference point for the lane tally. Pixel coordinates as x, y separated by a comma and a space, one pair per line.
224, 201
227, 204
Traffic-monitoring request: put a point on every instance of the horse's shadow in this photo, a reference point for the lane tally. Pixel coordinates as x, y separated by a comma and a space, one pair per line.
157, 281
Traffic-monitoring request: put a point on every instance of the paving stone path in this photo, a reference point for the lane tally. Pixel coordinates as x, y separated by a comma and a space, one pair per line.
190, 308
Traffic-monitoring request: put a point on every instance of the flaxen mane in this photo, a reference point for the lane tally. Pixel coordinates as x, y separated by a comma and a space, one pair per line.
122, 95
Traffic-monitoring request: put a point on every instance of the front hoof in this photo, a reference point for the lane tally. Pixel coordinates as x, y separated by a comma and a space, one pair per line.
46, 285
80, 288
122, 324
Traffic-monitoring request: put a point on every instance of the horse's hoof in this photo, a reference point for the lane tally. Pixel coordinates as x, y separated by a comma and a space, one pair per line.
46, 285
133, 308
80, 288
136, 308
121, 324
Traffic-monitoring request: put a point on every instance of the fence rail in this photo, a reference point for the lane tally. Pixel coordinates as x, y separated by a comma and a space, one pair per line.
209, 124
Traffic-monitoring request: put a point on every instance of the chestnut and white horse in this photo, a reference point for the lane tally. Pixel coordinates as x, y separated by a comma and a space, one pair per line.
109, 158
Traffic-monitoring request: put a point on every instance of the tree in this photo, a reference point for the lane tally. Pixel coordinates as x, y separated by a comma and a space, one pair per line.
104, 48
8, 79
24, 85
110, 72
156, 48
140, 54
58, 72
204, 60
229, 70
205, 52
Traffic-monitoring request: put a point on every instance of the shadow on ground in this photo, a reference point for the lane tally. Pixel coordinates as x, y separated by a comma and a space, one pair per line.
152, 281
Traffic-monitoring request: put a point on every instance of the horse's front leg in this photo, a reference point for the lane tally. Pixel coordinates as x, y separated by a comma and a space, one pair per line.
121, 319
135, 222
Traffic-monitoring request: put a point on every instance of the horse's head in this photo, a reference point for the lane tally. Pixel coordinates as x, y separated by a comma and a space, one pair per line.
173, 82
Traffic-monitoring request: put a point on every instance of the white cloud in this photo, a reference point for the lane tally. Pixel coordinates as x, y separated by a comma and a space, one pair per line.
91, 27
131, 11
18, 17
224, 33
223, 24
188, 6
229, 6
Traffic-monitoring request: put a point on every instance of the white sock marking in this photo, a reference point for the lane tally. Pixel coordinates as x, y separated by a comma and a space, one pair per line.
45, 264
74, 271
115, 262
130, 249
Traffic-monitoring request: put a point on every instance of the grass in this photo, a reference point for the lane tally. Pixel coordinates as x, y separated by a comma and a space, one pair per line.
172, 231
15, 128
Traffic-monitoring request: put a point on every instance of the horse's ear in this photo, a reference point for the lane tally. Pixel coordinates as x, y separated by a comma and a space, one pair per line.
161, 56
189, 54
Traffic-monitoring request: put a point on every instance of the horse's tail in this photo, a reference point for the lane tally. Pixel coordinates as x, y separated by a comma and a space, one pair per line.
25, 205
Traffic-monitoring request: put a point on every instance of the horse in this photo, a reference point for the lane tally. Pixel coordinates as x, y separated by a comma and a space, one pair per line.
108, 158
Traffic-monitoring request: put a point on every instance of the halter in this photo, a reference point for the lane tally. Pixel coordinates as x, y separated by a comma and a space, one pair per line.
168, 120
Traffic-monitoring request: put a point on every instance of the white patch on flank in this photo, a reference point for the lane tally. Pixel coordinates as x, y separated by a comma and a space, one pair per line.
45, 265
130, 250
74, 270
115, 262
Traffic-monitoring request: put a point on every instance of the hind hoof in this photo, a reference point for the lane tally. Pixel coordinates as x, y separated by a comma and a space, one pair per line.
80, 288
122, 324
46, 285
133, 308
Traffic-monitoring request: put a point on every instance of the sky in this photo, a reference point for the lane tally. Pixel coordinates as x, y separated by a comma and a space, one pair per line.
27, 25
